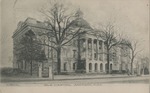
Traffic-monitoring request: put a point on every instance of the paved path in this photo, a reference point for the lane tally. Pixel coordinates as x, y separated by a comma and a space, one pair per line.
79, 81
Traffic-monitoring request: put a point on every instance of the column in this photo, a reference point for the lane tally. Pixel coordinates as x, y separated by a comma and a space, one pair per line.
98, 53
138, 69
87, 56
104, 67
40, 70
103, 50
50, 68
98, 68
119, 55
92, 49
50, 72
93, 67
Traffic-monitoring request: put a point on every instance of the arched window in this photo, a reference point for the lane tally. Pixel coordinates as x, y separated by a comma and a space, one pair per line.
95, 66
90, 67
74, 66
65, 66
106, 67
101, 67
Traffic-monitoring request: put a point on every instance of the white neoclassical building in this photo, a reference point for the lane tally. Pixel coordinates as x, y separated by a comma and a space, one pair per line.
90, 50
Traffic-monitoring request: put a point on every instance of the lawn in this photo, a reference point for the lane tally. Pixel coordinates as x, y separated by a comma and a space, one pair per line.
14, 73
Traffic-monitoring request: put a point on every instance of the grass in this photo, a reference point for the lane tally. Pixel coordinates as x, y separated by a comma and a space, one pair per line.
18, 73
11, 72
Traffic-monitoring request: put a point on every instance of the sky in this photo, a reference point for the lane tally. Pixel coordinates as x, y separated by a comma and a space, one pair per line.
131, 18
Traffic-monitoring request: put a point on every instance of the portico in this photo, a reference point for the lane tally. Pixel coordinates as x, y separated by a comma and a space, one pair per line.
94, 54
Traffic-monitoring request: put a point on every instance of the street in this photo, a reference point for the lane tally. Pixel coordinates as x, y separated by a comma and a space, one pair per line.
81, 81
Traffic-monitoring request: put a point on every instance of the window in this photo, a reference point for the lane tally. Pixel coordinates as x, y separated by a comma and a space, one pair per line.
95, 56
74, 66
100, 44
74, 53
95, 45
106, 67
96, 66
114, 57
100, 57
101, 67
65, 66
89, 43
90, 54
90, 67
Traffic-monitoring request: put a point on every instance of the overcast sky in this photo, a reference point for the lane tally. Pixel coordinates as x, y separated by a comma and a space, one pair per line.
131, 17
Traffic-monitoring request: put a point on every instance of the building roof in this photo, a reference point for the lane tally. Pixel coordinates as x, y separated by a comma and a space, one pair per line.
81, 22
38, 26
35, 25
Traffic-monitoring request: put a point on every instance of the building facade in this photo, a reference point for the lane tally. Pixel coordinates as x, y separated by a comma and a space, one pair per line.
86, 46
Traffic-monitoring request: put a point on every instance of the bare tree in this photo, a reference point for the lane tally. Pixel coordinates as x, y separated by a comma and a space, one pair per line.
133, 46
111, 39
63, 27
29, 50
145, 65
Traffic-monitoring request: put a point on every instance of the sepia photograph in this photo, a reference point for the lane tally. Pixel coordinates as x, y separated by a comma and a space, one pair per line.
75, 43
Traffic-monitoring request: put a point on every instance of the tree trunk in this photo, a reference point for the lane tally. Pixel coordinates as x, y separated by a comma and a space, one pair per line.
79, 55
31, 68
121, 67
132, 66
18, 65
59, 60
108, 70
132, 59
25, 65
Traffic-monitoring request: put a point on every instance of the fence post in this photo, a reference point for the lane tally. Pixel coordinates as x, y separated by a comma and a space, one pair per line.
40, 70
